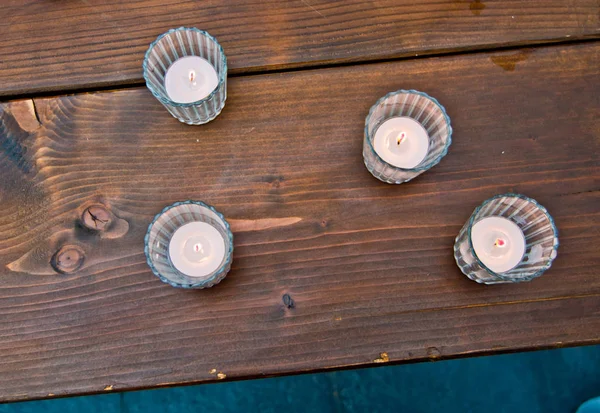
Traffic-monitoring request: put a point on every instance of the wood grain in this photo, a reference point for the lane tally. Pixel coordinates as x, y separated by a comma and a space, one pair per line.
368, 266
68, 45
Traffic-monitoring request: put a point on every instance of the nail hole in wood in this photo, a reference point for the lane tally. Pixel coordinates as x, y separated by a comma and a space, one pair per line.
288, 301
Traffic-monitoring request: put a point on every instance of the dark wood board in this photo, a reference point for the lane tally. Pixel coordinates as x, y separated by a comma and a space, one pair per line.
50, 46
369, 266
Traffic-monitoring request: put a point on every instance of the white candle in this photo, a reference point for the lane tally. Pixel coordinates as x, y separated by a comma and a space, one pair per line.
197, 249
190, 79
498, 242
402, 142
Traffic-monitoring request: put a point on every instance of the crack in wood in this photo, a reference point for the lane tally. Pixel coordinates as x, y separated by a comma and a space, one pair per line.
35, 111
95, 219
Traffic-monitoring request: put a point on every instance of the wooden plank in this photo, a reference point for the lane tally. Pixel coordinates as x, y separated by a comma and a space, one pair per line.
64, 45
368, 265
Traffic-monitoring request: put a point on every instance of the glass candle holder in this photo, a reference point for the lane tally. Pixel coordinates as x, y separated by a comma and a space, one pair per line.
189, 245
406, 133
186, 70
509, 238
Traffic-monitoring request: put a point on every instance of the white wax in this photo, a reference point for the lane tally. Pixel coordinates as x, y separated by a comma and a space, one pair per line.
197, 249
190, 79
402, 142
498, 242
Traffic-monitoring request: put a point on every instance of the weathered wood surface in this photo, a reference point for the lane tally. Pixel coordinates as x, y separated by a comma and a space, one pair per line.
68, 45
368, 266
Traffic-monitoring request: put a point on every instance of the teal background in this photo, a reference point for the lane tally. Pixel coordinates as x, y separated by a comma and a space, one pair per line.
543, 381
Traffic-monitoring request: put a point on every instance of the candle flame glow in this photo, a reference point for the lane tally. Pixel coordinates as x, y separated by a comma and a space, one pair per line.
500, 243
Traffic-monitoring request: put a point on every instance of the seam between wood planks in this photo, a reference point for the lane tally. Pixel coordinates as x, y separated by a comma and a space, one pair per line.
313, 65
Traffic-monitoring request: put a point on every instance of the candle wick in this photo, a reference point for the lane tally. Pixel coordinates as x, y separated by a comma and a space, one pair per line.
499, 243
400, 138
192, 76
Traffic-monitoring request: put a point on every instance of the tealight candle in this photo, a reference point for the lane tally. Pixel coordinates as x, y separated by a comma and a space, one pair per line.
402, 142
186, 70
189, 245
509, 238
498, 242
190, 79
197, 249
406, 133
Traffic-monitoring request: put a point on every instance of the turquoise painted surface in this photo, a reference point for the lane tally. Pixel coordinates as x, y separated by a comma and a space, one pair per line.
539, 382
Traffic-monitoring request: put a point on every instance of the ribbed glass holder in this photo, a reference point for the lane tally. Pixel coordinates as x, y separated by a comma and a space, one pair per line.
423, 109
173, 45
541, 240
161, 231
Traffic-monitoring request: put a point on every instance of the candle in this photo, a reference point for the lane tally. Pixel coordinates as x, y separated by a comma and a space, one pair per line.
406, 133
197, 249
499, 243
189, 245
190, 79
509, 238
186, 70
402, 142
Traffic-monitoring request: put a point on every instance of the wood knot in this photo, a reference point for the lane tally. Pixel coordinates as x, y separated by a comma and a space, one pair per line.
68, 259
96, 217
275, 180
288, 301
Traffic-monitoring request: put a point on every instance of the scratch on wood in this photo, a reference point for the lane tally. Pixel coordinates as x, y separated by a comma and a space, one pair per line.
212, 371
383, 358
315, 10
108, 388
244, 225
221, 375
167, 383
580, 192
